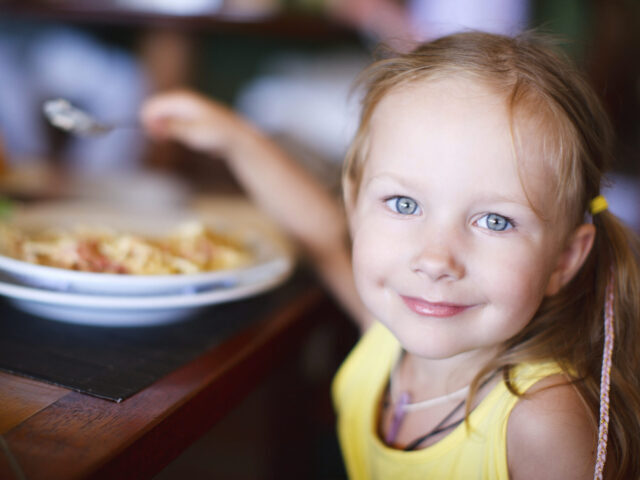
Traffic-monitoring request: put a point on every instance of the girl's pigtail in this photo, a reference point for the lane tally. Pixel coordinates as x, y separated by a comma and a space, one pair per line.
617, 284
605, 380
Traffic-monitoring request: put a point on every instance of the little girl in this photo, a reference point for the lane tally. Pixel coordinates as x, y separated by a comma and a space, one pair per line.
493, 279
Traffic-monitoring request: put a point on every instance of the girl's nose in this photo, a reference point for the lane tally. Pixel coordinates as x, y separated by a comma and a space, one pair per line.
438, 262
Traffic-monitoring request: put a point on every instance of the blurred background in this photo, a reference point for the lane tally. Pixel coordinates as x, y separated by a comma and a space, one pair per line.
289, 66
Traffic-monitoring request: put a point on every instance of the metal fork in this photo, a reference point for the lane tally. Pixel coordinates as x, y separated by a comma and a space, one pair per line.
65, 116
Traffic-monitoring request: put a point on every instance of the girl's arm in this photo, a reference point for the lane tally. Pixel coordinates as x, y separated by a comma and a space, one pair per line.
550, 434
278, 184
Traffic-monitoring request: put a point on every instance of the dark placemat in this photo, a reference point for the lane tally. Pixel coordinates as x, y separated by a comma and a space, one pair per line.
114, 363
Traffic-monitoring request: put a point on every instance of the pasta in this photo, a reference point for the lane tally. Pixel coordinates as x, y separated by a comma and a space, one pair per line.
191, 248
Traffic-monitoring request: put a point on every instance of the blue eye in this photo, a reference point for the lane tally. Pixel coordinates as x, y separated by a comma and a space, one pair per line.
495, 222
403, 205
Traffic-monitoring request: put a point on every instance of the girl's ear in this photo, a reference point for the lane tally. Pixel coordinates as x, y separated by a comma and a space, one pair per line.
571, 259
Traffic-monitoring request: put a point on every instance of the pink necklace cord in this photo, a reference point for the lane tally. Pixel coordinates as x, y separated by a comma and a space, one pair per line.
605, 381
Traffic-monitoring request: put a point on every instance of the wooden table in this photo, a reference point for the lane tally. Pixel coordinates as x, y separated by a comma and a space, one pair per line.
50, 432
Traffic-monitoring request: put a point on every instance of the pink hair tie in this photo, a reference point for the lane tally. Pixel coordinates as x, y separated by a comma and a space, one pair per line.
605, 381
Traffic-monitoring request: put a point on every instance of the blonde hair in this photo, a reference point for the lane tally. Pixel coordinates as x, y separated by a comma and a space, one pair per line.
539, 84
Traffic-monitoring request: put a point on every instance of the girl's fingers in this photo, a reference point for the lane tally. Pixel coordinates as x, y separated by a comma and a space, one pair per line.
196, 121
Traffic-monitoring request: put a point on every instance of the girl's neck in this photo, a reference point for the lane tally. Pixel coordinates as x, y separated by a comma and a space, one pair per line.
429, 378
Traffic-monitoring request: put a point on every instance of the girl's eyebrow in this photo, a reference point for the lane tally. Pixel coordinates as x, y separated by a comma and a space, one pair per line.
499, 198
493, 197
384, 176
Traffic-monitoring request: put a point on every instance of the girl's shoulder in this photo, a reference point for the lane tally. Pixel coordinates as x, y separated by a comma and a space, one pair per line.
550, 433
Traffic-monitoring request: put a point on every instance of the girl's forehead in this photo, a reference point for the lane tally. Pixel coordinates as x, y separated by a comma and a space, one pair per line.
444, 89
461, 112
530, 127
465, 113
461, 122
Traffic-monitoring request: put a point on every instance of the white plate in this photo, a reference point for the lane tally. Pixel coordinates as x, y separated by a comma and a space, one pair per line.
122, 311
233, 216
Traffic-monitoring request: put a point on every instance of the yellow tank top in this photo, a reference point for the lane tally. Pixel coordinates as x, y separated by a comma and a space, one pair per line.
476, 453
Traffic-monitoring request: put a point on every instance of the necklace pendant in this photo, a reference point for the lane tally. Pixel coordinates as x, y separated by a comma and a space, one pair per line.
399, 413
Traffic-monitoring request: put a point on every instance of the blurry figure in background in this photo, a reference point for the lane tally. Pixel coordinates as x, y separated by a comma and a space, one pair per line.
305, 103
403, 25
38, 63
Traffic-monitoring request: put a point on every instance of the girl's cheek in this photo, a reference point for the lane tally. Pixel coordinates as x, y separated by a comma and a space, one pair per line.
364, 258
369, 254
523, 283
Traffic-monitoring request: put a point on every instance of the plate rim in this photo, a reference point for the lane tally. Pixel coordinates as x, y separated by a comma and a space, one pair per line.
14, 291
274, 247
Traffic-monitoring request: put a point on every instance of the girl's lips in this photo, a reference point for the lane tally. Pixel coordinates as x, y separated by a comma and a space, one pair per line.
428, 309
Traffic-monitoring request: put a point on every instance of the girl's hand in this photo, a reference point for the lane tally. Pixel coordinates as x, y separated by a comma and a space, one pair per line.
194, 120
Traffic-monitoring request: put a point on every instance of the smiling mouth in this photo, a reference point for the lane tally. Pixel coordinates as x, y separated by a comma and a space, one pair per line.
428, 309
